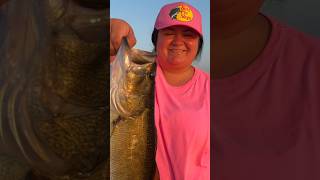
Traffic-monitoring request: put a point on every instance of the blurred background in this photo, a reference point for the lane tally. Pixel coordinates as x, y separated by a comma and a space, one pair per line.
303, 15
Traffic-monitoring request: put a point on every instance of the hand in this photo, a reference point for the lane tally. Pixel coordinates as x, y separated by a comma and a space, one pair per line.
119, 29
156, 175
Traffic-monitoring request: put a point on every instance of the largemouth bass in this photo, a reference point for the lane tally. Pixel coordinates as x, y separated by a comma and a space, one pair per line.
53, 84
132, 143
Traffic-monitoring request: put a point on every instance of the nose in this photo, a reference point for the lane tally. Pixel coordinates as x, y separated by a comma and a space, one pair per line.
178, 39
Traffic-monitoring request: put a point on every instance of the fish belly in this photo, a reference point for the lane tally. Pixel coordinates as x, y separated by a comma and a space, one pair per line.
132, 148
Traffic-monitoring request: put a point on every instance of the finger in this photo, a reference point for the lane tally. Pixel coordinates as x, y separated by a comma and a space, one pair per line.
115, 43
116, 36
112, 58
113, 51
131, 38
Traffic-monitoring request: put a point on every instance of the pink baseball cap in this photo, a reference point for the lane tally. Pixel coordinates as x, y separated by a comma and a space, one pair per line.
179, 13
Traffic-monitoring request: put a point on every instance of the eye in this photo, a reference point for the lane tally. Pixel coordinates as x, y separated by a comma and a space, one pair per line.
190, 34
168, 33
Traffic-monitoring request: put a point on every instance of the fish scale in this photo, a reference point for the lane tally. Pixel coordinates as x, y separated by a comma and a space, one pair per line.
13, 169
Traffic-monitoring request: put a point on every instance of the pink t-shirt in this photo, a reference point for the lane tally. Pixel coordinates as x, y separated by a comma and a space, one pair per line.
266, 119
182, 118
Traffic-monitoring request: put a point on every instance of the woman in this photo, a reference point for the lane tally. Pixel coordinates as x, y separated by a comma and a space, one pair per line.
182, 92
265, 96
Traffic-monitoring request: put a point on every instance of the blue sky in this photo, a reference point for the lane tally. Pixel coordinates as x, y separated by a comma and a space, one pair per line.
141, 15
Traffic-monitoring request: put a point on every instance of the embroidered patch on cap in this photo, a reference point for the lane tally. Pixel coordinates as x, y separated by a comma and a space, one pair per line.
181, 13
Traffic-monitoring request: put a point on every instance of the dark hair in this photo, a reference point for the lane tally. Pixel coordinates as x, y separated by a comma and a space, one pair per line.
154, 39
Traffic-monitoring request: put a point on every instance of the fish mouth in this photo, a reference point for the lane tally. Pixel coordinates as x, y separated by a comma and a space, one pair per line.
89, 24
91, 28
141, 63
140, 57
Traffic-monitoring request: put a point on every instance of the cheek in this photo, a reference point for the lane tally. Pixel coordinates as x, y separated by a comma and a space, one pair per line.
161, 47
158, 46
194, 46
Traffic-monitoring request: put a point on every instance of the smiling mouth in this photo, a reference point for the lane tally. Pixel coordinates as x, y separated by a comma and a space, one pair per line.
177, 51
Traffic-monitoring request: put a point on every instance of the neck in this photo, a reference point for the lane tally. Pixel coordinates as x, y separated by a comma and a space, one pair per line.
180, 78
234, 53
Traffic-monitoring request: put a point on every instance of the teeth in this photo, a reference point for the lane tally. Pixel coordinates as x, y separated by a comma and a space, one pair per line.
177, 51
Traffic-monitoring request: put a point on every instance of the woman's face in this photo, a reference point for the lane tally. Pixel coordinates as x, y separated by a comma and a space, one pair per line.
177, 47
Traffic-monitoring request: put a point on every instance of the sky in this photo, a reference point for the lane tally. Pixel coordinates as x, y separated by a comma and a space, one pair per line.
141, 15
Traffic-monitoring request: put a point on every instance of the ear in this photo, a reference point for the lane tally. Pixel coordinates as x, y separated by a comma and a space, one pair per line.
200, 44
